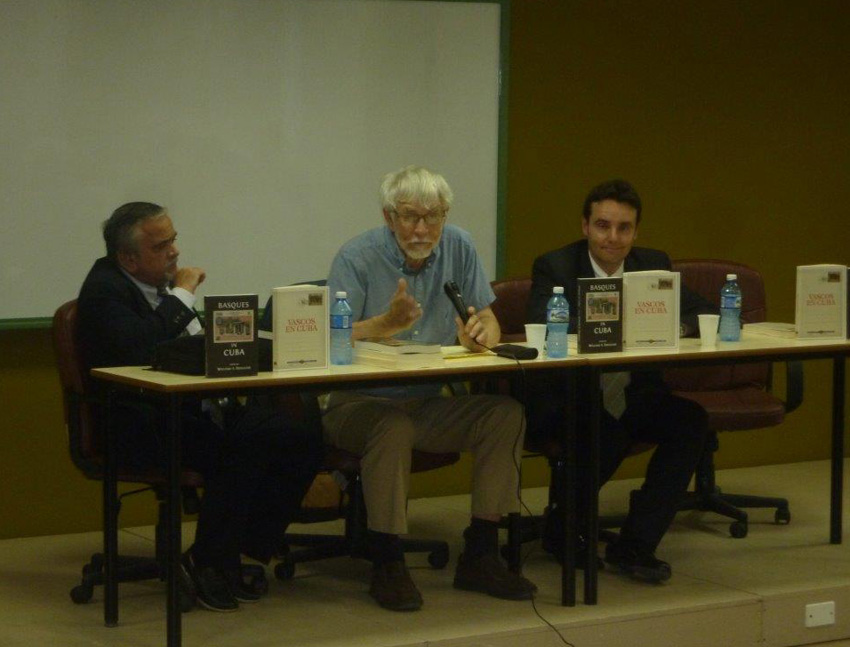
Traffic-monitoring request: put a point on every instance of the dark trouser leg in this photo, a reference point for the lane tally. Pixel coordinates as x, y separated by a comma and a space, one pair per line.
679, 427
676, 425
262, 473
297, 450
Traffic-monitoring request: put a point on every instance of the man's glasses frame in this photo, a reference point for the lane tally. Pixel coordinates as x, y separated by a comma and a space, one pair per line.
432, 218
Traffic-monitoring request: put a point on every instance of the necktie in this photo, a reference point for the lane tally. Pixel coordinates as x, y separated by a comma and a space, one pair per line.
614, 392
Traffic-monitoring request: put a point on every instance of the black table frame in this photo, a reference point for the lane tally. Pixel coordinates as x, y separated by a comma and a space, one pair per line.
588, 367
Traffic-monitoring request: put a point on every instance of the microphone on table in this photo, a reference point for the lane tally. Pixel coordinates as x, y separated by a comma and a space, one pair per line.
509, 351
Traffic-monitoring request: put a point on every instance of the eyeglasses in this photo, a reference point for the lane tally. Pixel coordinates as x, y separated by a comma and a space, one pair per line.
431, 218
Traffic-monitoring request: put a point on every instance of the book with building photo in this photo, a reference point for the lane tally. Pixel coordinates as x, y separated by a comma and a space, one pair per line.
600, 315
300, 327
821, 311
651, 309
231, 335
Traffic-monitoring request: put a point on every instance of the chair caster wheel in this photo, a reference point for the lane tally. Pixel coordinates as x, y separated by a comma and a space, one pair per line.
738, 529
782, 516
285, 569
439, 558
82, 593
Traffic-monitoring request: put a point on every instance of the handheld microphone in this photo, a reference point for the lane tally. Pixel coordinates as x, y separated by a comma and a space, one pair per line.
509, 351
453, 292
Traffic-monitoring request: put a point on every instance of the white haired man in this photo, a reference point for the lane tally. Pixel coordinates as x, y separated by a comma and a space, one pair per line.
394, 276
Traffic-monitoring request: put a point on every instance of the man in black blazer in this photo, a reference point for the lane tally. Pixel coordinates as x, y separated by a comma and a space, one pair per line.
678, 427
257, 465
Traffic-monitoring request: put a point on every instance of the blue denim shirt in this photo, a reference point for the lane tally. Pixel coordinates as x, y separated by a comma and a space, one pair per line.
369, 266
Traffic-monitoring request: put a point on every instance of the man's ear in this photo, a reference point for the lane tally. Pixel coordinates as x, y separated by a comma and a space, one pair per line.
585, 225
127, 260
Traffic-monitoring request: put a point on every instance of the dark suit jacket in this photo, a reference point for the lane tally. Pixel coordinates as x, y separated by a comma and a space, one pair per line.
566, 265
116, 325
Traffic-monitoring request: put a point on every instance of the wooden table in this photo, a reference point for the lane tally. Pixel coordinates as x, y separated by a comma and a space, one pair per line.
170, 388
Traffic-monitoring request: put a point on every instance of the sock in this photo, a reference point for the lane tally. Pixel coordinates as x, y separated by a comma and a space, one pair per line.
481, 537
384, 547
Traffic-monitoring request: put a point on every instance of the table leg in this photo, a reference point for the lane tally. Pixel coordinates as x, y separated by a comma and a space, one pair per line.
838, 386
592, 528
110, 515
173, 527
566, 466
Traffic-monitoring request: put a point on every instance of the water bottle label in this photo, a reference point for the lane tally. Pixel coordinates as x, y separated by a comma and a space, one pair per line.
558, 315
340, 321
730, 301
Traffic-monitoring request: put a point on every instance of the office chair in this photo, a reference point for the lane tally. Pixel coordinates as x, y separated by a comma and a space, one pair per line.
736, 397
350, 505
81, 404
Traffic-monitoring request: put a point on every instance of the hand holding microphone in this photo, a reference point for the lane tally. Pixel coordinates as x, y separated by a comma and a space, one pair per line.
510, 351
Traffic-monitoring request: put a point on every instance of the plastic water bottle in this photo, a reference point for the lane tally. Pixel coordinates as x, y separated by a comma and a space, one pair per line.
730, 309
341, 352
557, 323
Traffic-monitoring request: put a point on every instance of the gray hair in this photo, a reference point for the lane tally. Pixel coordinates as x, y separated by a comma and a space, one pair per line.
120, 229
418, 185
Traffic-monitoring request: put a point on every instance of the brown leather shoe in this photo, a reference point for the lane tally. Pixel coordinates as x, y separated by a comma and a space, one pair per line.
487, 574
393, 588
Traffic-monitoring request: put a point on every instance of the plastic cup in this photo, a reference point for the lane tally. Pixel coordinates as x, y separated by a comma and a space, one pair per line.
535, 335
708, 330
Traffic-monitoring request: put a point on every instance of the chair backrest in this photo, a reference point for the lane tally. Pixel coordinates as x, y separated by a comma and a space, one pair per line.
510, 307
76, 400
706, 277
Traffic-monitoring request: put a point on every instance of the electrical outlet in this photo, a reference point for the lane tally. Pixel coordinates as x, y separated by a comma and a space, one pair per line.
820, 614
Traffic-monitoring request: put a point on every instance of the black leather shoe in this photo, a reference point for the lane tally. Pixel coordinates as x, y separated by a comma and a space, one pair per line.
211, 586
240, 590
487, 574
639, 564
393, 588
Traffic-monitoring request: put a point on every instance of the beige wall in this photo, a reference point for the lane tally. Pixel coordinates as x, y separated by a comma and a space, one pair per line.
729, 117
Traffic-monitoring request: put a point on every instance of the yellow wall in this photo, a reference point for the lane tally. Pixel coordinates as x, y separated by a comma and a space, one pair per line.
728, 116
730, 119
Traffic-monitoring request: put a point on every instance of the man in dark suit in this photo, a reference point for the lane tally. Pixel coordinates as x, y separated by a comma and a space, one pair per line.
257, 466
649, 412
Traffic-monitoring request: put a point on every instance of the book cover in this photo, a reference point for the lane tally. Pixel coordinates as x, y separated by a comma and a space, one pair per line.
600, 315
821, 308
651, 309
300, 327
231, 335
393, 346
397, 360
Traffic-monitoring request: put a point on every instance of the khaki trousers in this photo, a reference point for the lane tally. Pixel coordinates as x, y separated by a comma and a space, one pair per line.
383, 431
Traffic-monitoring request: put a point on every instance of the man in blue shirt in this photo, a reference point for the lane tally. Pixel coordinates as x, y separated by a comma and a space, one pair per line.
394, 277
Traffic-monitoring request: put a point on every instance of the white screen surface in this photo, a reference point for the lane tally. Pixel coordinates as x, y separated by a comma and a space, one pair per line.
264, 126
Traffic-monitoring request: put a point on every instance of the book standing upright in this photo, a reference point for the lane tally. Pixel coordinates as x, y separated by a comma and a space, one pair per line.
821, 308
300, 327
651, 309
